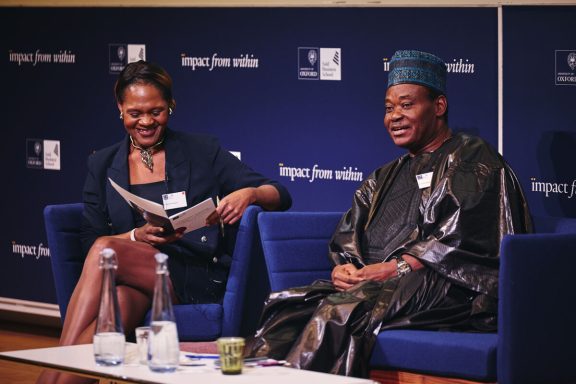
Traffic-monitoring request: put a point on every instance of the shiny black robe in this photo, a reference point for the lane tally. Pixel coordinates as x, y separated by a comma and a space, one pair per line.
454, 227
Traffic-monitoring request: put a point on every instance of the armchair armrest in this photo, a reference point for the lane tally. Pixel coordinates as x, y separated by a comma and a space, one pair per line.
537, 313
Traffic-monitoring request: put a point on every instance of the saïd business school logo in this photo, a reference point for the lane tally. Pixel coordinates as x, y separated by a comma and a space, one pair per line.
319, 63
120, 55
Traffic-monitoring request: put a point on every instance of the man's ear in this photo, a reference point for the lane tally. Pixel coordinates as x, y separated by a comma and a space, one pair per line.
441, 105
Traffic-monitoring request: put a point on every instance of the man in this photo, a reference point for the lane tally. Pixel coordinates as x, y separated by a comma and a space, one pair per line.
418, 248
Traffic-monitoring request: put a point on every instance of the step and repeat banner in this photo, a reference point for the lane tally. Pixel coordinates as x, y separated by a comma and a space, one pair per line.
540, 105
297, 93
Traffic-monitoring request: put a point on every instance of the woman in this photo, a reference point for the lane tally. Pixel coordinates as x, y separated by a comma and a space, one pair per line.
153, 161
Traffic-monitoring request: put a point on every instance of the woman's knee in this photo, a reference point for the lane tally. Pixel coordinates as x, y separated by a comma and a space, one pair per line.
103, 242
93, 257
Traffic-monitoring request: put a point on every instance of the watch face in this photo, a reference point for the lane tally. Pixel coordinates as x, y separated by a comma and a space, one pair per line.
403, 267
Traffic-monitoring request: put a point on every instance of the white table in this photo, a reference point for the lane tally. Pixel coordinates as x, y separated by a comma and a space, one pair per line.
79, 359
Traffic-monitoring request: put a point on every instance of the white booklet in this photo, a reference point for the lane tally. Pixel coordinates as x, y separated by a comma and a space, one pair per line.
192, 218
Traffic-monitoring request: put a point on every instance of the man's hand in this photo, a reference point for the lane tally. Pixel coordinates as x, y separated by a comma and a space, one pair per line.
344, 276
378, 272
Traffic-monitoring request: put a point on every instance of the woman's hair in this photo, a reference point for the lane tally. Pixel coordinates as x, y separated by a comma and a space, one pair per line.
144, 73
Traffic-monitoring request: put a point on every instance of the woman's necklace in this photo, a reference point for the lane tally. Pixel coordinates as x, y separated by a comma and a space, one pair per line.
146, 153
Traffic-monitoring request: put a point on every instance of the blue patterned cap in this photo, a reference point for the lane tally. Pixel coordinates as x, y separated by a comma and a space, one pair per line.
415, 67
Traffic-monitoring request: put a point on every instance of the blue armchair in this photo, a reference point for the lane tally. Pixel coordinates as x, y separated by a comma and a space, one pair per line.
245, 291
537, 333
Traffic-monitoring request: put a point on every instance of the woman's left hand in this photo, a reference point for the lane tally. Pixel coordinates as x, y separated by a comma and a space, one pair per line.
232, 207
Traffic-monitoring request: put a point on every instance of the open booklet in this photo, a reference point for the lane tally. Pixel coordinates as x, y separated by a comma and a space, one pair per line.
192, 218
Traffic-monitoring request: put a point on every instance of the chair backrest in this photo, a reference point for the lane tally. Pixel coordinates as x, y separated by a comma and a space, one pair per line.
246, 289
247, 286
549, 224
536, 311
295, 246
62, 224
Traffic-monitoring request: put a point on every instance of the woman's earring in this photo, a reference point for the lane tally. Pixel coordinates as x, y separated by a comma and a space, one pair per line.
121, 116
169, 111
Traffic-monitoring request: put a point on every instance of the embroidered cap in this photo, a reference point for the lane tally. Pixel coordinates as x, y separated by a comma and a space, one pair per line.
416, 67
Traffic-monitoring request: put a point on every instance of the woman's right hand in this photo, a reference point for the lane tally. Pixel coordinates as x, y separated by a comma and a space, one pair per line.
155, 235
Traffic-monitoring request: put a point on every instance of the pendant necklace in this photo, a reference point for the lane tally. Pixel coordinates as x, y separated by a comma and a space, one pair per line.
146, 153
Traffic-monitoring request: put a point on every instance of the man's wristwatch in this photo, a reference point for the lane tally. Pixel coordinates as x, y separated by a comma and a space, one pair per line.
402, 267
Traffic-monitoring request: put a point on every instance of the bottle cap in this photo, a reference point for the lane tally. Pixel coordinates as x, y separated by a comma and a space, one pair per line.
161, 257
107, 253
108, 259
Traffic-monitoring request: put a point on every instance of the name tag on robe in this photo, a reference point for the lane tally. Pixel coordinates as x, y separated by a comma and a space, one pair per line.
424, 180
174, 200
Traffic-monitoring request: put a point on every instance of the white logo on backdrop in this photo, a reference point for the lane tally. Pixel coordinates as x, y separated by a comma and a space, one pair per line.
120, 55
572, 60
312, 57
43, 154
565, 61
308, 63
319, 63
52, 154
37, 148
330, 68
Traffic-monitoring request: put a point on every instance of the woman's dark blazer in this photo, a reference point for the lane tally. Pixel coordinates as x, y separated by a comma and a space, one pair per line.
194, 163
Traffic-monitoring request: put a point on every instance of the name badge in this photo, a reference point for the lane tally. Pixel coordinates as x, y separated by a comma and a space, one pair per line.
174, 200
424, 180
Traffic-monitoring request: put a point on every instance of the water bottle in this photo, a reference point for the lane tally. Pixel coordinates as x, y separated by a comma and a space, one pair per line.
109, 339
163, 346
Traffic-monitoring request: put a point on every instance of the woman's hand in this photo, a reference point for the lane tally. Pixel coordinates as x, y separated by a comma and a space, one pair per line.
232, 207
155, 235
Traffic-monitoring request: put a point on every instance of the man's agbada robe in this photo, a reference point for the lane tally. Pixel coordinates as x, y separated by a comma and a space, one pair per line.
452, 222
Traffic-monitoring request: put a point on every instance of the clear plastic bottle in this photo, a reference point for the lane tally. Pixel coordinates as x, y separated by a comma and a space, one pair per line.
109, 339
163, 346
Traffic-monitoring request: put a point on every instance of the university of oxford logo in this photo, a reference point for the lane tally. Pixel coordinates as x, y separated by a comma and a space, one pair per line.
572, 60
312, 57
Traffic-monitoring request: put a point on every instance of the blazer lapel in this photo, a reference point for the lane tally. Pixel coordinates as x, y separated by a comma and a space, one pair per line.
177, 166
120, 211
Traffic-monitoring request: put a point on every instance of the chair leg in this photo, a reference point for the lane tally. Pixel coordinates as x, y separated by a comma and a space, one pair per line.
401, 377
